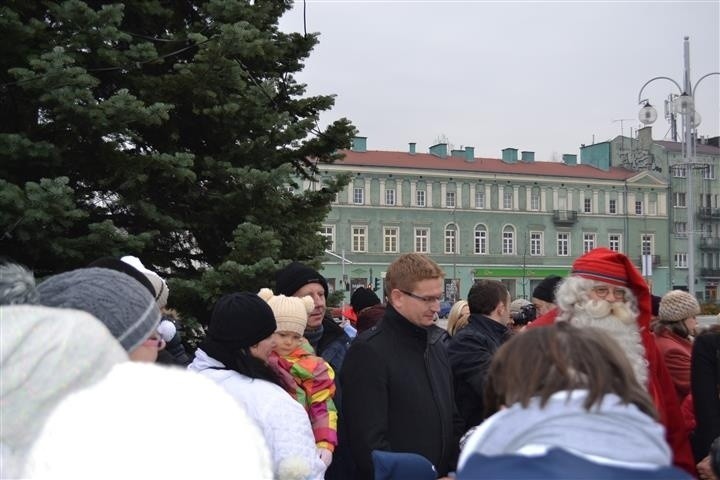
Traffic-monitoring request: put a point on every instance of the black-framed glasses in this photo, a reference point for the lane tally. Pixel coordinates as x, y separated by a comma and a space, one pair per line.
427, 299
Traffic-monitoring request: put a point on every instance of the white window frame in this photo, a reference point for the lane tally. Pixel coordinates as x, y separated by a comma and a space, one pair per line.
680, 229
391, 239
507, 200
508, 240
536, 244
709, 172
480, 240
612, 206
587, 205
358, 195
534, 200
359, 238
421, 240
679, 200
563, 244
679, 171
451, 237
681, 260
615, 242
450, 199
328, 231
589, 241
638, 207
420, 198
390, 197
480, 197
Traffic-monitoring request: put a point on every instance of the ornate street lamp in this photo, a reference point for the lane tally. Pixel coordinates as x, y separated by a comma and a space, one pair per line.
685, 106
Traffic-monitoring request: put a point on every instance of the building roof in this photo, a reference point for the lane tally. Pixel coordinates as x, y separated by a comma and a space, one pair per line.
427, 161
700, 148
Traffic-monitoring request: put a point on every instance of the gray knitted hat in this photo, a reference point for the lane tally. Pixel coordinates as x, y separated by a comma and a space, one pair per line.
119, 301
677, 305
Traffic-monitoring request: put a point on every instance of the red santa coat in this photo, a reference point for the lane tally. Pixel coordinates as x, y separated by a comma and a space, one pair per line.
605, 265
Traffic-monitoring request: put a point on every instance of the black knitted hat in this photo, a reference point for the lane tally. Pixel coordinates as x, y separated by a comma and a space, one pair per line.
296, 275
241, 320
362, 298
546, 288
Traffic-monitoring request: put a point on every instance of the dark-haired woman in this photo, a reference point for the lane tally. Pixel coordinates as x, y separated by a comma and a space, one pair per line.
234, 354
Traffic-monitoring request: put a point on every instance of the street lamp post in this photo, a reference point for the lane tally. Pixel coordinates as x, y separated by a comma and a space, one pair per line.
685, 106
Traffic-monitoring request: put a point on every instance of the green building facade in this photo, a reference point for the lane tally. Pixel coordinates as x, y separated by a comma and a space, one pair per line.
511, 218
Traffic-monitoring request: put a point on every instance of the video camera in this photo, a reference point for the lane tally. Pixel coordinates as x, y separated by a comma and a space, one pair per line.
526, 314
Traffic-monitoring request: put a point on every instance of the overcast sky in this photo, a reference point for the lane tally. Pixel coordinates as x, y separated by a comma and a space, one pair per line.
538, 76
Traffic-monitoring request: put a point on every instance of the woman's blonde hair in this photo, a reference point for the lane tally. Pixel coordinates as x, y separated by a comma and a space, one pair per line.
456, 319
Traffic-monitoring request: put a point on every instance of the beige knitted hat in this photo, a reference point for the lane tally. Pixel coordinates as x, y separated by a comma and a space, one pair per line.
677, 305
290, 312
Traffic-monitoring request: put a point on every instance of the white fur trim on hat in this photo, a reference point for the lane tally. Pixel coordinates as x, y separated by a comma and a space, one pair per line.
290, 312
677, 305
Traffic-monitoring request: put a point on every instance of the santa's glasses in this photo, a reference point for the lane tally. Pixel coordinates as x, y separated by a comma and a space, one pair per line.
602, 291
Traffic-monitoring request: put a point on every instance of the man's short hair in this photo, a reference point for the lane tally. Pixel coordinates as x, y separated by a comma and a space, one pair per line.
409, 269
485, 295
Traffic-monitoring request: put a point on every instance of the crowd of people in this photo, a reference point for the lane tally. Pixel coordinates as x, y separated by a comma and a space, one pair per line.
592, 377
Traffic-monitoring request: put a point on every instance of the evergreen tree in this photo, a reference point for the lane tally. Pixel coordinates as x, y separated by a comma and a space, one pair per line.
174, 131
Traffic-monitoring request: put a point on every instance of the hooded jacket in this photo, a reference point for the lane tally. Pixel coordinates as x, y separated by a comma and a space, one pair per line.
399, 395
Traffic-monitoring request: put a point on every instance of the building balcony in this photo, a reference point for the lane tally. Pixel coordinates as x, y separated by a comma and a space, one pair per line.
709, 243
564, 217
707, 213
710, 272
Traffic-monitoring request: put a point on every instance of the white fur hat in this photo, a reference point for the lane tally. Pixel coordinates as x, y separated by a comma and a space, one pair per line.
116, 435
290, 312
159, 285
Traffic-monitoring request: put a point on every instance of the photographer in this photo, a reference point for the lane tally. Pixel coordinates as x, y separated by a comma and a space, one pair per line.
522, 312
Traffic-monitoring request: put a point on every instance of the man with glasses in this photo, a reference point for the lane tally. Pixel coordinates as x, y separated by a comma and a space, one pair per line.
606, 291
397, 383
471, 349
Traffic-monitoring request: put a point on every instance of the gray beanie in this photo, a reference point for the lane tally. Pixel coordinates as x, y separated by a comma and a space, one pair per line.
119, 301
677, 305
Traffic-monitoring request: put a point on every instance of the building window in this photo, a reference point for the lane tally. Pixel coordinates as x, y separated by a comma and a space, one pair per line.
563, 244
507, 200
612, 206
534, 200
589, 241
390, 239
480, 198
709, 172
420, 198
647, 243
451, 239
480, 240
638, 207
328, 231
681, 229
450, 199
587, 205
615, 242
652, 207
358, 195
359, 238
508, 239
536, 244
679, 200
679, 171
681, 260
390, 197
422, 238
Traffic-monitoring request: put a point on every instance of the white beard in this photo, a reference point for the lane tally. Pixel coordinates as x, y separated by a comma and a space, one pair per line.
617, 320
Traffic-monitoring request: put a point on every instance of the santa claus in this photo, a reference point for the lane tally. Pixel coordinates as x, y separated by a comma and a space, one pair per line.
606, 291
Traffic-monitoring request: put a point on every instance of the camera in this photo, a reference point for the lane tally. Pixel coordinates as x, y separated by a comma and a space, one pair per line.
526, 314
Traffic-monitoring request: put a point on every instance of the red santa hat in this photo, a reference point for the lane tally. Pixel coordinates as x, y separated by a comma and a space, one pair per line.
604, 265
